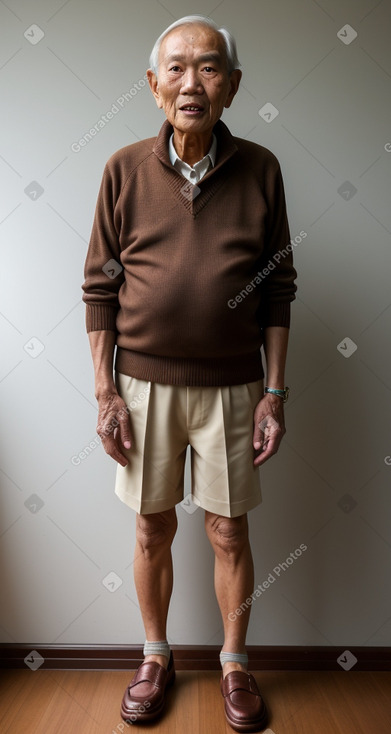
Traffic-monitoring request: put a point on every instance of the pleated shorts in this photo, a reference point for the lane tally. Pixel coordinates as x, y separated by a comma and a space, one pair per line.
216, 422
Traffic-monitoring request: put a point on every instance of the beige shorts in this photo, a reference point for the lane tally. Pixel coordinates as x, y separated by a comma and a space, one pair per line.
217, 423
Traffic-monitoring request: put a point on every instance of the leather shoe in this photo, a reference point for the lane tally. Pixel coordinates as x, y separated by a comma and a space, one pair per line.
245, 709
145, 695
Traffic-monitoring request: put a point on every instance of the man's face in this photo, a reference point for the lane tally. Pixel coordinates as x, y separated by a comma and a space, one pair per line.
193, 85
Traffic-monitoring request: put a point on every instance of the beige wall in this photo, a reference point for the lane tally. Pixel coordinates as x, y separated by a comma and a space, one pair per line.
63, 531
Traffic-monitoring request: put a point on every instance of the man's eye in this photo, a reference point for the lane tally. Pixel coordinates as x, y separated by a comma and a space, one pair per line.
208, 68
175, 68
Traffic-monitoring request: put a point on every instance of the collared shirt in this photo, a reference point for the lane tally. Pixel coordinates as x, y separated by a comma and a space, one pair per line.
195, 173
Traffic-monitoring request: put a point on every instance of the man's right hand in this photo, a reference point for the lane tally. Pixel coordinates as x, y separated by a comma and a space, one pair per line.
114, 426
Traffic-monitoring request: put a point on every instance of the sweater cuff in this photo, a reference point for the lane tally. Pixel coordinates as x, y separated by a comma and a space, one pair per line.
100, 318
278, 314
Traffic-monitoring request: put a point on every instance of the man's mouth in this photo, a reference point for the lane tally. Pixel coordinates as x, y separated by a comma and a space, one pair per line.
192, 108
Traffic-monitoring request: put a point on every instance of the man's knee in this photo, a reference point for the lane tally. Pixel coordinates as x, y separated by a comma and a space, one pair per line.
228, 535
156, 530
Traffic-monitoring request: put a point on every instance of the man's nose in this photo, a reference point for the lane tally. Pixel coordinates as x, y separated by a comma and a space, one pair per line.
191, 82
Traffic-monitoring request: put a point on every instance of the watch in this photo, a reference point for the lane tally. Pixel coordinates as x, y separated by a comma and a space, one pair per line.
284, 394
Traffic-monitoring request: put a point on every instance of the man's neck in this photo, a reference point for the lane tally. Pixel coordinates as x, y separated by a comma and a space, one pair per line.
190, 147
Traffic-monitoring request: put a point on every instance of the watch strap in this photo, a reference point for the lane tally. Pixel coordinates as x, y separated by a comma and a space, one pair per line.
281, 393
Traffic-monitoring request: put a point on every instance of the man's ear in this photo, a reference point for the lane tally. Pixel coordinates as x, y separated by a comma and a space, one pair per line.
234, 81
154, 87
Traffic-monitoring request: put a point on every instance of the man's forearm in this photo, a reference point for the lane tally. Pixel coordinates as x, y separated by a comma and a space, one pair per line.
102, 345
275, 348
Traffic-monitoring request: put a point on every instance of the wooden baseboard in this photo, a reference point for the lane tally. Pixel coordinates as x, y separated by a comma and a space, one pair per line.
192, 657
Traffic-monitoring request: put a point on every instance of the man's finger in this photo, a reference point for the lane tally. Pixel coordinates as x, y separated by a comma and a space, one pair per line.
111, 447
265, 429
124, 431
259, 436
269, 448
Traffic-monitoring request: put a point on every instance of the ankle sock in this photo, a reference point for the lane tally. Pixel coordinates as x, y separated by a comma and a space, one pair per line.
233, 657
161, 647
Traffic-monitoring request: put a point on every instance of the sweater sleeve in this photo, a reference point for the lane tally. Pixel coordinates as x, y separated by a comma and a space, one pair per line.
278, 285
103, 271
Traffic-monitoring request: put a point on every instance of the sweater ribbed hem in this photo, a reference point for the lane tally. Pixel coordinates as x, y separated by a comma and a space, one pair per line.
213, 372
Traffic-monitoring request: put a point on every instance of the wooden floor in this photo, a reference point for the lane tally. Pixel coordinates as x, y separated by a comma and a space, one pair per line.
63, 702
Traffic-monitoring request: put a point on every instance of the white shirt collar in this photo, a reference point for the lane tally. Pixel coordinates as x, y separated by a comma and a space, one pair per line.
201, 167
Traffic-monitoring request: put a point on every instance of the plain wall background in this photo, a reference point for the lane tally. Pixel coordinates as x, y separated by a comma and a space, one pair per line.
66, 539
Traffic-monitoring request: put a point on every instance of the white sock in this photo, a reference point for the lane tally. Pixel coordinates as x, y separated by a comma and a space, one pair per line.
161, 647
233, 657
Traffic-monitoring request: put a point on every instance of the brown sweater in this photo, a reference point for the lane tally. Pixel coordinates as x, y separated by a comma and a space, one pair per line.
189, 278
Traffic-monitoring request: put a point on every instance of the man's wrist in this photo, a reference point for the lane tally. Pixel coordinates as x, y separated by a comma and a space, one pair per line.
105, 388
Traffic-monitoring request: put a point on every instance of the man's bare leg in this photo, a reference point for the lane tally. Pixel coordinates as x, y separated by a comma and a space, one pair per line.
234, 578
153, 573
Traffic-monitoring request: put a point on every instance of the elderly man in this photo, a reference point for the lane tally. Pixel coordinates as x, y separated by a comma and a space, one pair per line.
188, 273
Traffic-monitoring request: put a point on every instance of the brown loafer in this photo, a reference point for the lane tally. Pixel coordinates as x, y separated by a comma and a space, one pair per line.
145, 695
245, 708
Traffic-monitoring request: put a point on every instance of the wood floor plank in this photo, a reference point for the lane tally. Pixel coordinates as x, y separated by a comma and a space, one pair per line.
9, 690
24, 712
327, 702
186, 702
78, 703
211, 714
319, 702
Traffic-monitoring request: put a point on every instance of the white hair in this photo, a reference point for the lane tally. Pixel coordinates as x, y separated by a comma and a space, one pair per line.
229, 41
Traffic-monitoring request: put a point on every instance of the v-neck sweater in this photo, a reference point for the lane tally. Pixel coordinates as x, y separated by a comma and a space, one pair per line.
189, 277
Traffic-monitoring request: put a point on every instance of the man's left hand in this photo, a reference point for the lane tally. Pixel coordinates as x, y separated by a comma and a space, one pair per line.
269, 427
